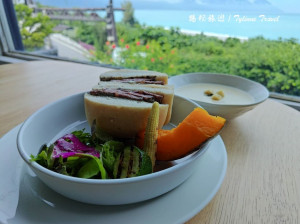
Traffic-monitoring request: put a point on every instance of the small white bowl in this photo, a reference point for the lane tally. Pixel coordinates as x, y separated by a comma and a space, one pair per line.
66, 115
258, 92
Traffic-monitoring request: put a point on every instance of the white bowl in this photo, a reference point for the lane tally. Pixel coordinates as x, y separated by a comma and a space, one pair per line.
258, 92
66, 115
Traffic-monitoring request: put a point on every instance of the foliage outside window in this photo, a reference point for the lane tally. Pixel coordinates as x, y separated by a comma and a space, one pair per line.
34, 29
274, 63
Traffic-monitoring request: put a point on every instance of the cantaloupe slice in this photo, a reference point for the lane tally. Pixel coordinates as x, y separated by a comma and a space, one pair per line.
195, 129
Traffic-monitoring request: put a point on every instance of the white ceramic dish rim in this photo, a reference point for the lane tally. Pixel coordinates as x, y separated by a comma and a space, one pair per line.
9, 139
35, 165
234, 77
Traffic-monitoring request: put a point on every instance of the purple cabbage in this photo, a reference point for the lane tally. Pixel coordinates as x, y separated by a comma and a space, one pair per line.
69, 145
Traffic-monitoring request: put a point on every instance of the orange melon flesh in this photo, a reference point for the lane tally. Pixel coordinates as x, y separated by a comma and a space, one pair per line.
195, 129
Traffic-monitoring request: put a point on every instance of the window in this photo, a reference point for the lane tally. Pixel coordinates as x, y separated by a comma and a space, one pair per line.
254, 39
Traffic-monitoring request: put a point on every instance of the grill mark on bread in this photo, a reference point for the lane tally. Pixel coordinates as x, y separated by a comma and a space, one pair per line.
138, 95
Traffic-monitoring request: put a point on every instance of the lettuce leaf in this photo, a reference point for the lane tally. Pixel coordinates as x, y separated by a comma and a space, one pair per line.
110, 152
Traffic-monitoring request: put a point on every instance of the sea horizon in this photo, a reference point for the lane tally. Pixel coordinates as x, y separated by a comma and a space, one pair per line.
242, 25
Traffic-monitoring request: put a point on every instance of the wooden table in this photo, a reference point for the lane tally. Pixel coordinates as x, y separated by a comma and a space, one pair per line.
262, 184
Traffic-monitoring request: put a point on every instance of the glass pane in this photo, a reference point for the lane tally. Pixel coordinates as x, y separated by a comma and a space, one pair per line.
256, 39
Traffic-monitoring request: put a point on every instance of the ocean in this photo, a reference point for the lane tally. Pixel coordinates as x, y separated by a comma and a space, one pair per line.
223, 24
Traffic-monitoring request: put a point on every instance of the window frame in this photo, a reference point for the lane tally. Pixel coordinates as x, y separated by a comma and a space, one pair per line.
10, 50
13, 26
5, 35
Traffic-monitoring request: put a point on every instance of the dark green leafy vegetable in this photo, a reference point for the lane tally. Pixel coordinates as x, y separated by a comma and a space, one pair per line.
146, 164
84, 137
44, 157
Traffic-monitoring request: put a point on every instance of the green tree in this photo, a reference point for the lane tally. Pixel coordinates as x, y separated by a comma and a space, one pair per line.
100, 36
34, 28
85, 33
128, 17
93, 33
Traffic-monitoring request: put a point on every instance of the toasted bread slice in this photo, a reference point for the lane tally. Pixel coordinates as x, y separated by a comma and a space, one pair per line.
129, 75
122, 118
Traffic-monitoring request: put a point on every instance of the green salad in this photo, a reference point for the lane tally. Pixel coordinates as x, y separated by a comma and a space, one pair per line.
95, 156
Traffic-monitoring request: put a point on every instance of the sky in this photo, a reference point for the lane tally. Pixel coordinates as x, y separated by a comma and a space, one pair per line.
287, 6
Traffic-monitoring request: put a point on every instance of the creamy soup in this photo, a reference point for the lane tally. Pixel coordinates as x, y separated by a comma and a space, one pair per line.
215, 93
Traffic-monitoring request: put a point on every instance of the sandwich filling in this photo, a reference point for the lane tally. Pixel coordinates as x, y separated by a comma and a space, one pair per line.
138, 95
138, 80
